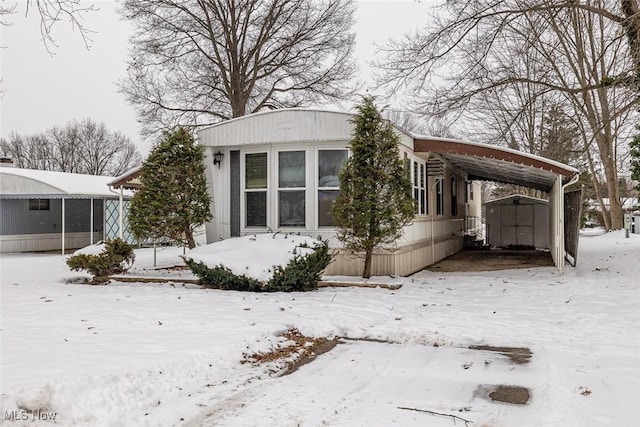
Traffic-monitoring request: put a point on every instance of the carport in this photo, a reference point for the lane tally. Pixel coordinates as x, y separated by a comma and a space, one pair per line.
485, 162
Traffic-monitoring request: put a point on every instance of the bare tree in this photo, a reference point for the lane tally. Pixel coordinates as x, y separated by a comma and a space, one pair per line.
51, 12
514, 52
82, 147
419, 123
203, 61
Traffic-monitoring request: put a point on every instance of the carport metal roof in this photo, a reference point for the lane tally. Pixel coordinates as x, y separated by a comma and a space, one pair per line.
494, 163
18, 183
129, 180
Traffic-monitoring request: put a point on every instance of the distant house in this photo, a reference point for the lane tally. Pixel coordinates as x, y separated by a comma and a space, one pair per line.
45, 211
278, 171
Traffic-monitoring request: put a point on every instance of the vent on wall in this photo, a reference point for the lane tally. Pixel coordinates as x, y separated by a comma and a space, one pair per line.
436, 167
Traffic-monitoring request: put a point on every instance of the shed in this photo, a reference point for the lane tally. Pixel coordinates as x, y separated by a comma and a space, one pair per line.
46, 210
518, 221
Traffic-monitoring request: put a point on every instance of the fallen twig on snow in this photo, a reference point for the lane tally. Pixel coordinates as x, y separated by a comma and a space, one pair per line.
455, 417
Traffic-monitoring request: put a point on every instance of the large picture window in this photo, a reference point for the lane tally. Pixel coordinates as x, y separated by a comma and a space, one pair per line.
330, 164
291, 188
255, 189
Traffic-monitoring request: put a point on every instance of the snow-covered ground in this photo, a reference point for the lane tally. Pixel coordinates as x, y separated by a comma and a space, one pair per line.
163, 355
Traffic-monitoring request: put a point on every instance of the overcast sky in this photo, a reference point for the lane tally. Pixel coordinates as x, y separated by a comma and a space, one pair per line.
42, 91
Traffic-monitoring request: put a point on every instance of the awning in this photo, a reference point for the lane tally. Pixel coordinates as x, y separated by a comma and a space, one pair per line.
499, 164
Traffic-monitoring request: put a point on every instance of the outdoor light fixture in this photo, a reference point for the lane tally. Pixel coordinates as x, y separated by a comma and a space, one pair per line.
217, 158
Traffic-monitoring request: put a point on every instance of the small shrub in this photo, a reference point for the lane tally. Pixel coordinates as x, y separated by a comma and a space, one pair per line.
116, 258
302, 273
221, 277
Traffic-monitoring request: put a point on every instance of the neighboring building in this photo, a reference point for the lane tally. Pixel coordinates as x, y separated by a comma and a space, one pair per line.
278, 171
45, 210
117, 211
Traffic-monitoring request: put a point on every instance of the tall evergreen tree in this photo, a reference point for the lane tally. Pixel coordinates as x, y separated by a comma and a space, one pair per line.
173, 200
375, 200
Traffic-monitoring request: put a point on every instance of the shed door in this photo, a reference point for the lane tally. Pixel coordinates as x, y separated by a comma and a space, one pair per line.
517, 225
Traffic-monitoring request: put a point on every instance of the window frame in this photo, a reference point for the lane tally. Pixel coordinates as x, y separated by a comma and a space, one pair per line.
245, 190
439, 195
419, 184
39, 204
316, 183
454, 195
279, 189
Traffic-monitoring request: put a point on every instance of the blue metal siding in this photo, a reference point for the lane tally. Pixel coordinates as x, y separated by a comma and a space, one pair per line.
16, 218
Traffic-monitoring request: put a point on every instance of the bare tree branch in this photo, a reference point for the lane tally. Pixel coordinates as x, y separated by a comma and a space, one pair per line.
197, 62
51, 13
84, 147
499, 59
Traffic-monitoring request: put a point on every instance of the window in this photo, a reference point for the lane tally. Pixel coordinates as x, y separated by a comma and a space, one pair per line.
439, 197
330, 164
38, 204
291, 188
255, 189
418, 182
454, 196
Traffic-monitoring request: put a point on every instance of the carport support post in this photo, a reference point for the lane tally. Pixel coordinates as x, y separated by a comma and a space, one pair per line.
63, 225
91, 223
120, 213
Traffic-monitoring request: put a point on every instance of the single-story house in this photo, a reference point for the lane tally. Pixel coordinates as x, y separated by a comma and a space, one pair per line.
45, 210
278, 170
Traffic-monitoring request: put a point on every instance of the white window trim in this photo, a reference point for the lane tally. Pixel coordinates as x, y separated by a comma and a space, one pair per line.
243, 186
413, 160
316, 186
276, 190
311, 190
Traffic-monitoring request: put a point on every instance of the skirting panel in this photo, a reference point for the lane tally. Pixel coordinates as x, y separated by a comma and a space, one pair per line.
46, 242
402, 262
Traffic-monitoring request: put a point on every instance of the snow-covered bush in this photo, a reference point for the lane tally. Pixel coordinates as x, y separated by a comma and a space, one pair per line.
261, 263
302, 273
103, 260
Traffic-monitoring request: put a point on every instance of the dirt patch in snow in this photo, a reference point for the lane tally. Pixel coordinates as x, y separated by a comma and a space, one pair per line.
296, 351
518, 355
491, 260
513, 394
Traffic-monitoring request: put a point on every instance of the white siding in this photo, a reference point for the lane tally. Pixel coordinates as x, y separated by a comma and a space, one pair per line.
285, 126
279, 126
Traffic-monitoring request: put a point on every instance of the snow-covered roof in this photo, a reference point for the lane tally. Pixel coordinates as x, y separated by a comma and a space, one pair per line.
30, 183
128, 180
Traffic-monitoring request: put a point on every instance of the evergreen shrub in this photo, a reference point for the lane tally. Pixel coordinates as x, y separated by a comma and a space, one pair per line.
116, 258
302, 273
